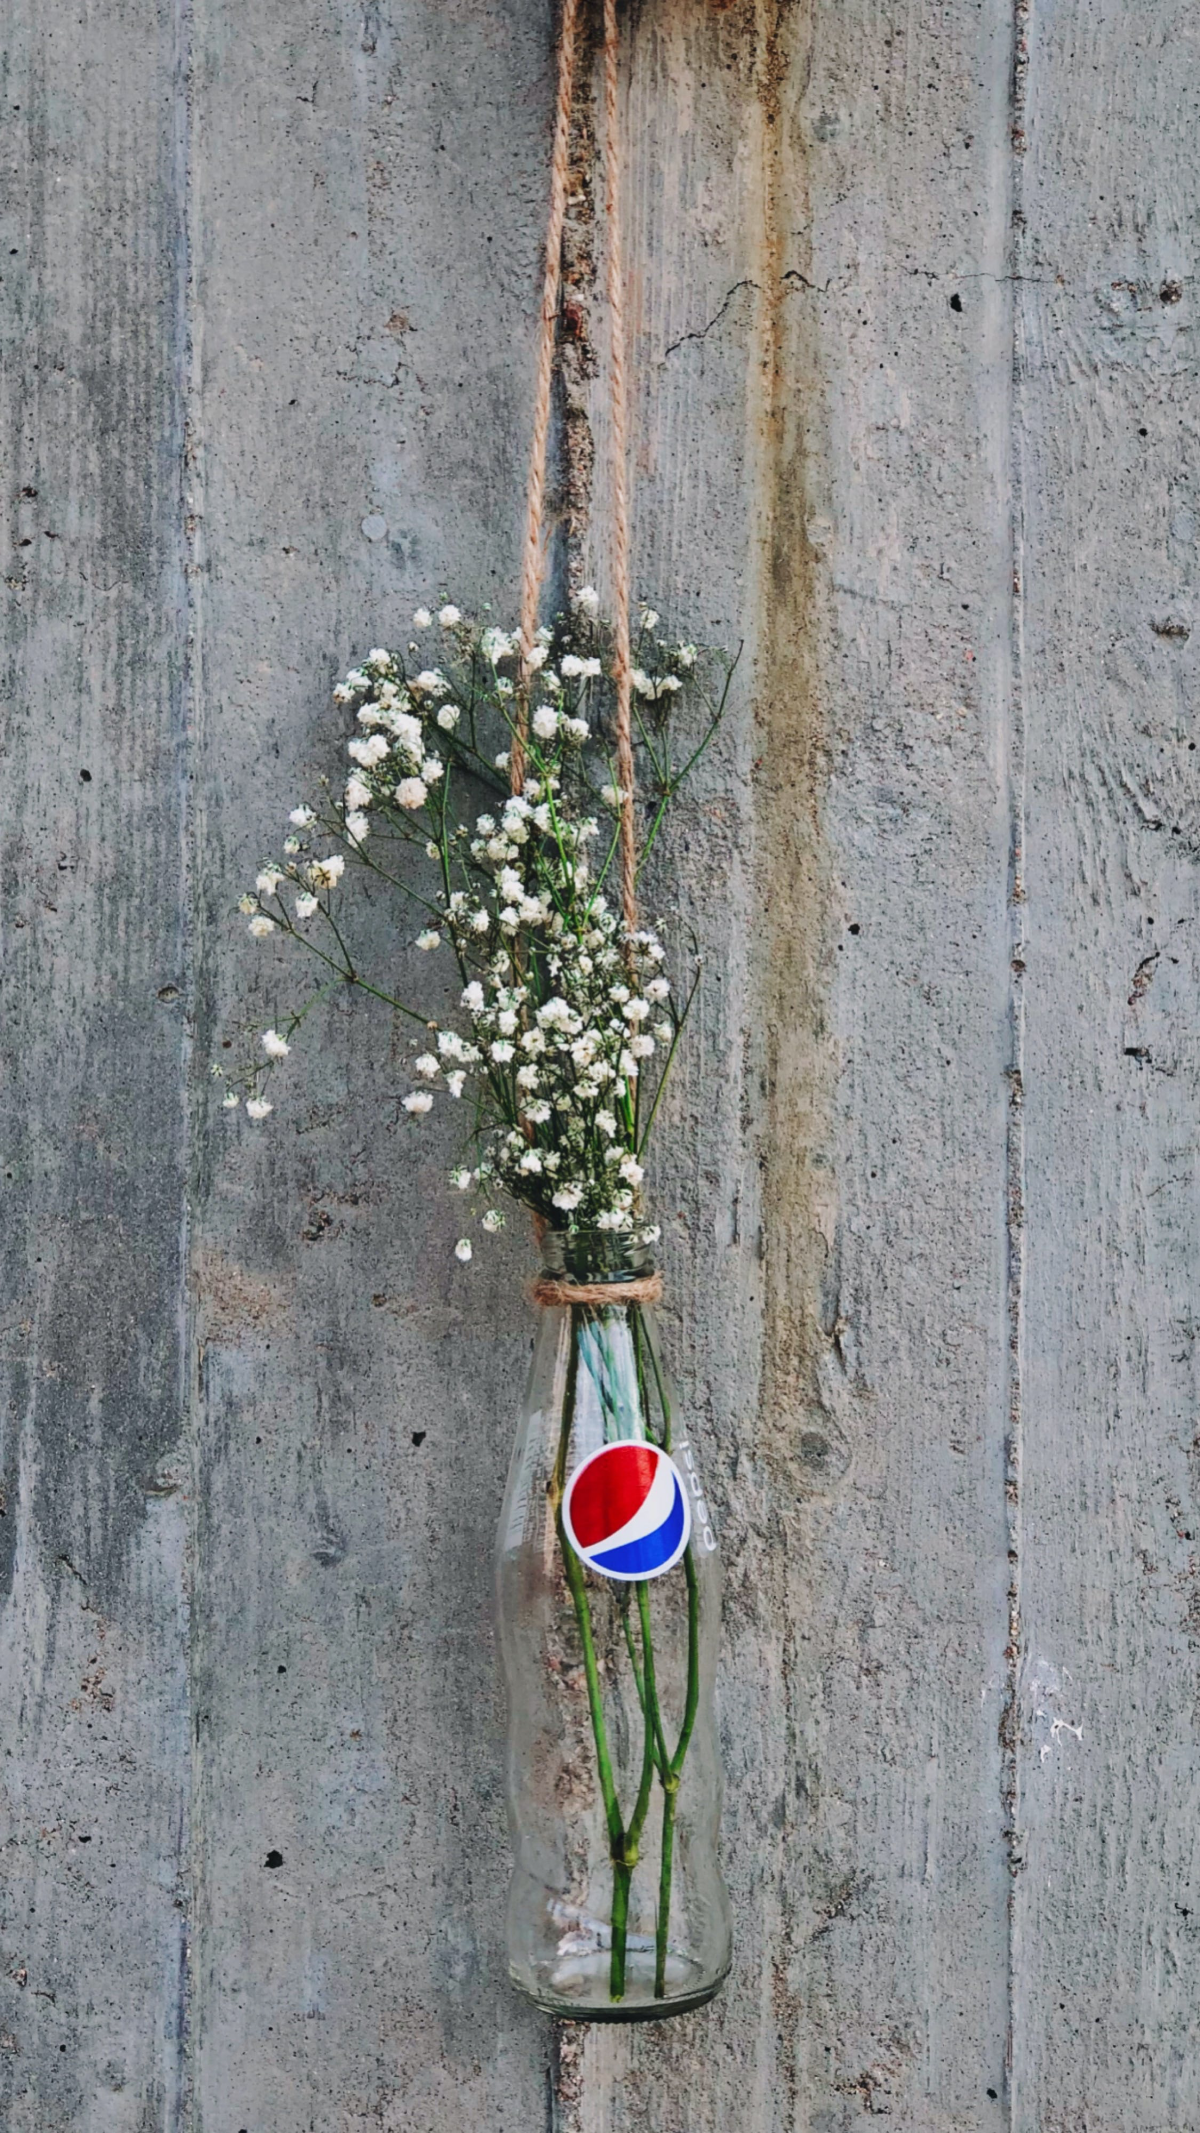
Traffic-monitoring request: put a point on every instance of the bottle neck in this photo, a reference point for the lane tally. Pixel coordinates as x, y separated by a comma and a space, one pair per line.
594, 1255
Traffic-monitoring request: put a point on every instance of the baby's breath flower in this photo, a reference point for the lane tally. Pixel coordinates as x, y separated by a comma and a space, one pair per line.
300, 817
275, 1046
429, 939
260, 927
268, 881
462, 1250
231, 1101
455, 1080
427, 1066
449, 615
258, 1108
411, 793
461, 1178
587, 600
447, 717
305, 905
421, 618
492, 1221
358, 827
418, 1101
326, 873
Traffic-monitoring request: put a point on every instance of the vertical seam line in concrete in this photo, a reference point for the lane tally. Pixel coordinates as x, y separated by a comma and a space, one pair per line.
183, 351
1015, 1152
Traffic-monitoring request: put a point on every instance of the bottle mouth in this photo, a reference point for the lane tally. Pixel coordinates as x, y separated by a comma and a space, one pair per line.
595, 1254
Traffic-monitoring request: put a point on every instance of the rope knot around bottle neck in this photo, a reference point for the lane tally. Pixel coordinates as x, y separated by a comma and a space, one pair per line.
550, 1292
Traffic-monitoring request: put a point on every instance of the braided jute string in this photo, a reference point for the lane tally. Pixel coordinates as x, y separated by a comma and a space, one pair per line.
548, 1290
622, 672
532, 563
533, 559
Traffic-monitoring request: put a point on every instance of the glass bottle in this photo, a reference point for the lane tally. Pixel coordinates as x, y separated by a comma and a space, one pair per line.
608, 1584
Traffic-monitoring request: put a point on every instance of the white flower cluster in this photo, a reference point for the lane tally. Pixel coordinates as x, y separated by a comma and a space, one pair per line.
561, 1015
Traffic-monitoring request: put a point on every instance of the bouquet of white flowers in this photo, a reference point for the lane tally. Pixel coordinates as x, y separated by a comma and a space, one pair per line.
566, 1024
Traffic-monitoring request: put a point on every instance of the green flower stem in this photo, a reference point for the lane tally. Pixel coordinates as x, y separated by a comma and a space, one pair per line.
670, 1771
576, 1583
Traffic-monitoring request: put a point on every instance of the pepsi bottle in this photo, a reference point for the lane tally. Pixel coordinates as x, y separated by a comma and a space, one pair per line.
608, 1583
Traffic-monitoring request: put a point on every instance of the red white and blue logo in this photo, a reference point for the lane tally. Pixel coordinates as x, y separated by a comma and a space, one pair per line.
626, 1511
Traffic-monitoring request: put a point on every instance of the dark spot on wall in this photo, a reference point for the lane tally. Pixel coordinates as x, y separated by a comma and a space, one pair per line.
273, 1859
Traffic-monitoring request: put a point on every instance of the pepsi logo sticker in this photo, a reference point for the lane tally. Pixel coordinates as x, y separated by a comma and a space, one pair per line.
626, 1511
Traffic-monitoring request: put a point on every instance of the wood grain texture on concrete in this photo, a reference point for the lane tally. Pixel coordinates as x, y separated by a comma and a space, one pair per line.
913, 308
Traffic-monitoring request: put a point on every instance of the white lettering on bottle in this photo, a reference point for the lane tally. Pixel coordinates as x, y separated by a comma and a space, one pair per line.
702, 1516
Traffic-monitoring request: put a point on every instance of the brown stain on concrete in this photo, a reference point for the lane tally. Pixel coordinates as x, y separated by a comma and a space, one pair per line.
786, 395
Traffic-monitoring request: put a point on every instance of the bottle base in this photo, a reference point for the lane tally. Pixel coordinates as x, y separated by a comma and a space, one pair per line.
588, 1999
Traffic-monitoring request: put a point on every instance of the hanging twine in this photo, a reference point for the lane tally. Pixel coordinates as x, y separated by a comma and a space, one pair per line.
532, 560
533, 555
622, 672
548, 1290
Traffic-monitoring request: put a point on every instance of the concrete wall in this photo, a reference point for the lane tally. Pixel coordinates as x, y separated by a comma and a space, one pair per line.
917, 418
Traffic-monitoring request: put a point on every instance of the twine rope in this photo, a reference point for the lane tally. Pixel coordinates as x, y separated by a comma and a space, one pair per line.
548, 1291
532, 558
622, 673
533, 553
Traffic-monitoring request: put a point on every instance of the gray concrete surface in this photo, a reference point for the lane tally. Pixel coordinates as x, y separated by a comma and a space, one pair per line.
917, 414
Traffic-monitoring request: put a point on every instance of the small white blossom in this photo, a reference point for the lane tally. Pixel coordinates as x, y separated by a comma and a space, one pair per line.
587, 600
420, 1100
305, 905
649, 619
326, 873
358, 826
454, 1081
461, 1178
567, 1197
411, 792
301, 817
447, 717
531, 1163
429, 681
537, 1113
502, 760
357, 794
462, 1250
231, 1102
260, 927
449, 615
426, 1066
493, 1220
657, 989
268, 881
536, 658
631, 1170
502, 1051
472, 998
368, 752
495, 645
664, 1033
576, 729
275, 1046
432, 768
257, 1107
545, 722
606, 1123
429, 939
421, 618
636, 1010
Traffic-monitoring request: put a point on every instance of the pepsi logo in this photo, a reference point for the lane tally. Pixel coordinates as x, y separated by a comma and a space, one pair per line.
626, 1511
